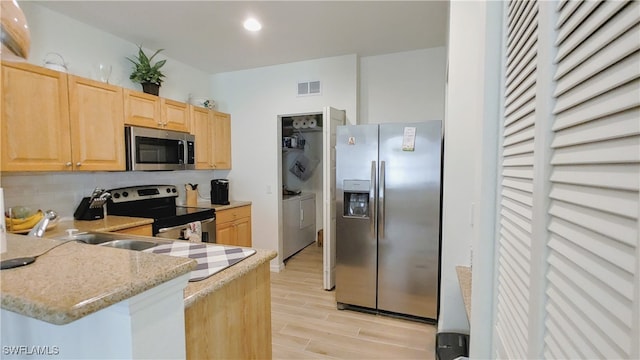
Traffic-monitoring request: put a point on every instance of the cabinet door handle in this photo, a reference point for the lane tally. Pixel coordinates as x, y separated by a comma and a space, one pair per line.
68, 164
78, 164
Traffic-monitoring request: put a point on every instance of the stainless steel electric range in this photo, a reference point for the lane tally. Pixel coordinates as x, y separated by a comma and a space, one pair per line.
158, 202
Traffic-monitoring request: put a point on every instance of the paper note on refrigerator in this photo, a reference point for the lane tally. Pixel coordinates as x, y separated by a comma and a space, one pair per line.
409, 139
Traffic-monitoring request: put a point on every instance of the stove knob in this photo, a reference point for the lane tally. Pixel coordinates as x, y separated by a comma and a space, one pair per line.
116, 195
169, 191
125, 194
174, 190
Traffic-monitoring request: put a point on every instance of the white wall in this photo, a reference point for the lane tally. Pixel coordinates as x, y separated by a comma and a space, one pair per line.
255, 98
83, 47
402, 87
463, 117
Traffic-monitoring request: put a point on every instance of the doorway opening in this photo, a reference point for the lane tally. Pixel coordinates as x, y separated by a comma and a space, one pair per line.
300, 180
307, 180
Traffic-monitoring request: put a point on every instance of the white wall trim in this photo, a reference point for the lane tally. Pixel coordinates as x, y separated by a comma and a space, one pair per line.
486, 195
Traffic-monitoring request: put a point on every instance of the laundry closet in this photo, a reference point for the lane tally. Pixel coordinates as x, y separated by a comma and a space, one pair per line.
301, 180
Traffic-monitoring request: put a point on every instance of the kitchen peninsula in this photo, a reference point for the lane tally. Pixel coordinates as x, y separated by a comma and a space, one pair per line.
224, 316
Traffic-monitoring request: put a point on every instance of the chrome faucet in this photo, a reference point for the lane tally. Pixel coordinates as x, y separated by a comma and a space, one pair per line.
41, 226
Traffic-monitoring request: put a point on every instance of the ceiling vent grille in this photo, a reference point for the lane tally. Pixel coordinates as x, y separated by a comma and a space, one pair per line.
306, 88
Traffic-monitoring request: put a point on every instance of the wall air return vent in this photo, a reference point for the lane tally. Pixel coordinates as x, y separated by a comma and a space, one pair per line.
306, 88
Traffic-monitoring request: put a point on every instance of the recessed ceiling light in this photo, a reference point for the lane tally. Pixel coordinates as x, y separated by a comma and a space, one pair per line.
252, 24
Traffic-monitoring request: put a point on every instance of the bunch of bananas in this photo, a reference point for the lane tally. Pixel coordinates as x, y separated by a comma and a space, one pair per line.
22, 224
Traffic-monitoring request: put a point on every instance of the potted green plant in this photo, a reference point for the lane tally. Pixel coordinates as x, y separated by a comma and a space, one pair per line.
146, 74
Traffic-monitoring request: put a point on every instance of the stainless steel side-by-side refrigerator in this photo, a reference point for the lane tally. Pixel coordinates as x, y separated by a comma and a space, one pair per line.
388, 217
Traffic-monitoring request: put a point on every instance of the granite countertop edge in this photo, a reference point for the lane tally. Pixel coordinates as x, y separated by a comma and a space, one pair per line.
60, 315
233, 204
109, 223
60, 311
200, 289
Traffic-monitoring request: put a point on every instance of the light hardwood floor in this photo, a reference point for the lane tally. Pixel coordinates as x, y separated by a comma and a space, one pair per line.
307, 325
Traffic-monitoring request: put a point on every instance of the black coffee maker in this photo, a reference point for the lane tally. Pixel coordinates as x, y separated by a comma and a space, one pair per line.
220, 191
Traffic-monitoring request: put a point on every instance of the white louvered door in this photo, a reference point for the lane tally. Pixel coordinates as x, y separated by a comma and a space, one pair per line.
516, 193
592, 306
570, 190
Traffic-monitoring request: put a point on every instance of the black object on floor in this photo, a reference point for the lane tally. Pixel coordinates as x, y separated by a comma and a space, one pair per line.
13, 263
451, 345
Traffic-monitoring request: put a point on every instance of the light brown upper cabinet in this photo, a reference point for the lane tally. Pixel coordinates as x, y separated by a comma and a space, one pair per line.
42, 132
97, 125
221, 140
155, 112
175, 115
202, 129
212, 130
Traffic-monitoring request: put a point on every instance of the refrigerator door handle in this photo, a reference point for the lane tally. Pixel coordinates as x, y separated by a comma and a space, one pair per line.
372, 200
381, 199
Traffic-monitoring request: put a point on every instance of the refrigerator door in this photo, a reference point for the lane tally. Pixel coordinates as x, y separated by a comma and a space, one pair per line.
356, 167
409, 218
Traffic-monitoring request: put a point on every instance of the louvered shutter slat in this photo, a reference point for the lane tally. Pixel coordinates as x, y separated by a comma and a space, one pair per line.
608, 135
612, 78
615, 126
620, 99
522, 40
617, 50
526, 94
521, 19
561, 4
613, 151
573, 210
518, 143
519, 148
603, 199
518, 160
598, 317
522, 64
517, 220
567, 11
518, 184
520, 136
621, 229
611, 250
577, 341
582, 12
556, 351
522, 70
618, 305
615, 176
576, 49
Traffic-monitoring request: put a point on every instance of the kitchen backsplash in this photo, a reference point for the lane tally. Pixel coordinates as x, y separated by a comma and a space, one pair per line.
62, 192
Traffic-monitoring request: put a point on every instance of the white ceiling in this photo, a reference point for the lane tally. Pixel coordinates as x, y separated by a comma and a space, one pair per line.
208, 35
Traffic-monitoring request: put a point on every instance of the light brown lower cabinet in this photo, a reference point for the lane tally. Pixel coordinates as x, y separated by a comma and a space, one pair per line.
234, 322
143, 230
233, 226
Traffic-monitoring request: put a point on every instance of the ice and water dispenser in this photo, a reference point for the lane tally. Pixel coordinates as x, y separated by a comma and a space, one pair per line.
356, 198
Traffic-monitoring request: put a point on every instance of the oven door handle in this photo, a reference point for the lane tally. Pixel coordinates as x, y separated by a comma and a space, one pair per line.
183, 225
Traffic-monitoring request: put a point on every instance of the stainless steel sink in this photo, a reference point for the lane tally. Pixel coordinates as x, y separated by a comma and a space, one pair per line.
121, 241
130, 244
94, 238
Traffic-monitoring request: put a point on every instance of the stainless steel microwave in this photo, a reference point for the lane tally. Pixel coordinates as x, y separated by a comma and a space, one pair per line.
156, 149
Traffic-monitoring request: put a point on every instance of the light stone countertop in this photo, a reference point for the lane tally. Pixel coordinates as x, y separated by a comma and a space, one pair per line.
464, 279
109, 223
75, 280
58, 309
199, 289
233, 204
